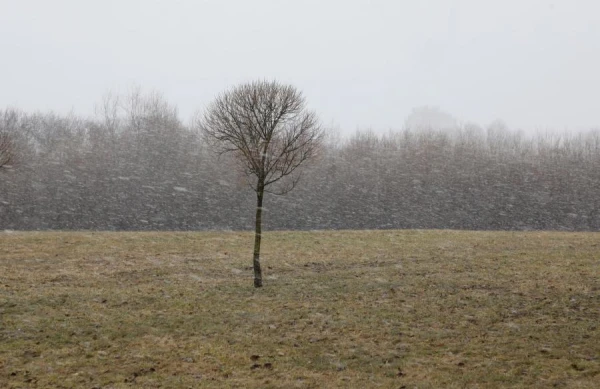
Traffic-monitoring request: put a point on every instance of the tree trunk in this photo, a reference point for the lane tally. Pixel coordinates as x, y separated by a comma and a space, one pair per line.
257, 236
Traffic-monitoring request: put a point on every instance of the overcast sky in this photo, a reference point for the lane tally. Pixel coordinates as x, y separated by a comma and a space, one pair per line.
361, 64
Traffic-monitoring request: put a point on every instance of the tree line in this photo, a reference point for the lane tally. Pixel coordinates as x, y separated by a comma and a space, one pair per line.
135, 165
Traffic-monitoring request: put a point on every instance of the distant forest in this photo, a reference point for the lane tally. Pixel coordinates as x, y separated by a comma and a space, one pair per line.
136, 166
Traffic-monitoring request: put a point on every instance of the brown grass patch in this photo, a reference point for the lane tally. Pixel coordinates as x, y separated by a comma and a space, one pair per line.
390, 309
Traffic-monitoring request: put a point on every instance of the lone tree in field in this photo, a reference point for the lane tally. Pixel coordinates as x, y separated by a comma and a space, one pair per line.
270, 132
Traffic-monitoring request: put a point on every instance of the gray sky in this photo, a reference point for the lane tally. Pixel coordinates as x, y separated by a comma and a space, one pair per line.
361, 64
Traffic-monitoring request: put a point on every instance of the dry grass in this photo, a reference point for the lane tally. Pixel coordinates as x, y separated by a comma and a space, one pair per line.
391, 309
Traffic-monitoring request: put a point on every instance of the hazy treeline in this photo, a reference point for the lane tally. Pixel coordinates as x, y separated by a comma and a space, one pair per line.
136, 166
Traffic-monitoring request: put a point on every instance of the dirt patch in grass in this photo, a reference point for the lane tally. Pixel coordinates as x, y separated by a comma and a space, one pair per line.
391, 309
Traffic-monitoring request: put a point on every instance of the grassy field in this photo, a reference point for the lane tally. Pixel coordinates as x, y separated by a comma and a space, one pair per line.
364, 309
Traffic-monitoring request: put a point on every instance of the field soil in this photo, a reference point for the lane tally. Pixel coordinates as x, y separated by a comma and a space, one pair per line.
347, 309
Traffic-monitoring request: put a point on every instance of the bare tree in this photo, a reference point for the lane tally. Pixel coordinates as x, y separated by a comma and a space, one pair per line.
266, 126
6, 149
9, 123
